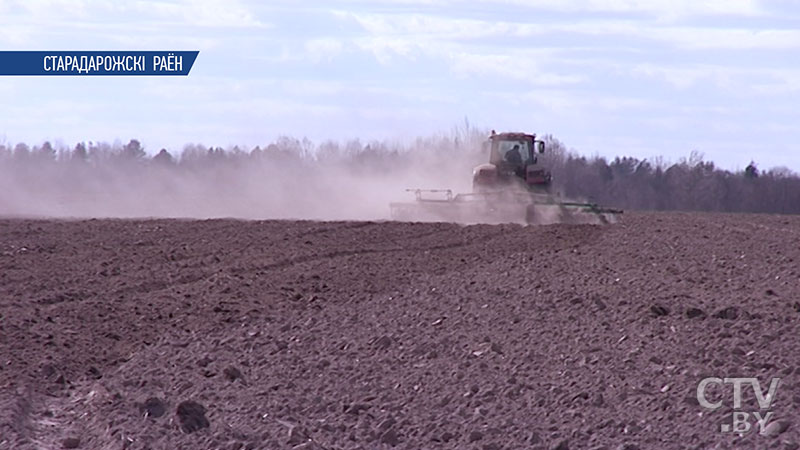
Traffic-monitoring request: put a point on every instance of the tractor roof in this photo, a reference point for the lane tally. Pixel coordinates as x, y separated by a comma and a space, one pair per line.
511, 135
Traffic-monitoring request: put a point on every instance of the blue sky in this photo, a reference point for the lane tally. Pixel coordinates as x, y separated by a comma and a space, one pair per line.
607, 77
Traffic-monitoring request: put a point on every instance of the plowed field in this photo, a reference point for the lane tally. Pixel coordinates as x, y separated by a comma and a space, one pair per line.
162, 334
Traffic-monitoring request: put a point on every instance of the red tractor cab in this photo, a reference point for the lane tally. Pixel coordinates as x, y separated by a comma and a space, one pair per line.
513, 160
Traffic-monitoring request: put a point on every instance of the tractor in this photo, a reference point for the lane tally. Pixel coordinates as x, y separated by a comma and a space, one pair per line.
511, 188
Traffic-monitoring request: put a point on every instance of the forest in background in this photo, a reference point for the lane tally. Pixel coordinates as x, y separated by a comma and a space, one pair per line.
46, 175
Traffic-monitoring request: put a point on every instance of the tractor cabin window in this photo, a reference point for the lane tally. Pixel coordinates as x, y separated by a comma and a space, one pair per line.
505, 150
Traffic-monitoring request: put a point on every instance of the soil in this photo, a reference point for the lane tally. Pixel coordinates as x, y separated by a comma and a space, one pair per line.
225, 334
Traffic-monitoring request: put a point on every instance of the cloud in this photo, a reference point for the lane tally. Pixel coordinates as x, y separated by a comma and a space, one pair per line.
431, 26
480, 48
663, 10
427, 25
783, 82
78, 13
202, 13
575, 103
738, 80
385, 48
658, 8
516, 66
323, 49
678, 77
725, 38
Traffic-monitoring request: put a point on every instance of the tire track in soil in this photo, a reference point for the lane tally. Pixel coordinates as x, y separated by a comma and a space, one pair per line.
36, 421
16, 426
344, 253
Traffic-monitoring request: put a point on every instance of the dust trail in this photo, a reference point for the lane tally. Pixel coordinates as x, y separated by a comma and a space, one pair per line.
278, 182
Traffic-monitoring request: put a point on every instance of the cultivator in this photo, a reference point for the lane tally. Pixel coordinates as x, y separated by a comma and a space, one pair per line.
511, 188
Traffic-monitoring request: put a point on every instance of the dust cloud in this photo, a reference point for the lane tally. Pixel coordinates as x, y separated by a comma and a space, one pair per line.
286, 180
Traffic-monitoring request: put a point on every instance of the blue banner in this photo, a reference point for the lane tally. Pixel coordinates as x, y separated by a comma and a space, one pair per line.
80, 63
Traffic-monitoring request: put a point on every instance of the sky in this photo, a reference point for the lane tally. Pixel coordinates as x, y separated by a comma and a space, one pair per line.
606, 77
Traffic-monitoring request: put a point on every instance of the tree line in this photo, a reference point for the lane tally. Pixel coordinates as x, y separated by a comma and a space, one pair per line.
691, 184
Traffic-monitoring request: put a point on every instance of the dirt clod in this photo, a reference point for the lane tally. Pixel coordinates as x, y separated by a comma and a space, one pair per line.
775, 428
71, 442
475, 435
729, 313
389, 437
659, 311
153, 407
563, 445
695, 313
232, 373
192, 416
